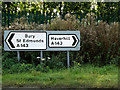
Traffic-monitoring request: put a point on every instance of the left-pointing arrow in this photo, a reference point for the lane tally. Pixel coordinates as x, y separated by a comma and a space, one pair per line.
9, 40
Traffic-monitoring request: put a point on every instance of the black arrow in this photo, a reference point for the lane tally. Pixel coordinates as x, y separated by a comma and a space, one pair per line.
9, 40
74, 40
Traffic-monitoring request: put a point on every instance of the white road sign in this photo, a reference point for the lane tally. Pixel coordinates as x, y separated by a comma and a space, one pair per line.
62, 40
41, 40
26, 40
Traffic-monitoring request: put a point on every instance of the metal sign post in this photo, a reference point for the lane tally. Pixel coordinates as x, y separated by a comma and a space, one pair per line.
41, 56
68, 59
18, 56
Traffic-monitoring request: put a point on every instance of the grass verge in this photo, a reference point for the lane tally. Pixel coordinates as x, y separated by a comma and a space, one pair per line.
86, 76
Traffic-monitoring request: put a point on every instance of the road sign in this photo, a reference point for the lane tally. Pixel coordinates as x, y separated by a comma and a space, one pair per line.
41, 40
26, 40
62, 40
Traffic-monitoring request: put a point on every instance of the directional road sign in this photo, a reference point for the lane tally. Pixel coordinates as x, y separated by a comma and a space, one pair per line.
26, 40
63, 41
41, 40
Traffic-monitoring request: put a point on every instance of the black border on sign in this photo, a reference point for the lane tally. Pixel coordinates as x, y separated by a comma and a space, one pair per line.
63, 47
28, 32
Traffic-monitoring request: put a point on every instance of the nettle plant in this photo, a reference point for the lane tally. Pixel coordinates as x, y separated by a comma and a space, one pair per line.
99, 40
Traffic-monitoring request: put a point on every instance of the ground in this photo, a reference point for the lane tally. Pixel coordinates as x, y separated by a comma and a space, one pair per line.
85, 76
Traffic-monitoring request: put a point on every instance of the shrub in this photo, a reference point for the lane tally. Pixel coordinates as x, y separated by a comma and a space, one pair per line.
18, 68
42, 68
57, 61
8, 59
99, 40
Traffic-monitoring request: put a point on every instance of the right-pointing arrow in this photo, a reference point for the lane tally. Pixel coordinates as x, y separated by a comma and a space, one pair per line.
75, 41
9, 40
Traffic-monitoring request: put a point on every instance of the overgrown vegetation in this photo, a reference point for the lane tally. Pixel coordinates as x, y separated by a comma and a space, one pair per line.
85, 76
99, 42
94, 66
41, 12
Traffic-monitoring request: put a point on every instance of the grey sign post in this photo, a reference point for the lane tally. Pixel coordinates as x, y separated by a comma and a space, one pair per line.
42, 41
18, 56
41, 56
68, 59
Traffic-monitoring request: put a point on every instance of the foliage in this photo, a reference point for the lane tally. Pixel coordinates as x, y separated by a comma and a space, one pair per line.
99, 41
109, 11
18, 68
42, 12
8, 59
99, 44
77, 7
86, 76
42, 68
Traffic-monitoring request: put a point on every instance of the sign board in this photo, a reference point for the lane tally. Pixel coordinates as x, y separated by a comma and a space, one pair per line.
26, 40
62, 40
41, 40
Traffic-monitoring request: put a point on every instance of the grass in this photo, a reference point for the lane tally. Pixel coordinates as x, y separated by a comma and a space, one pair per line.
86, 76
